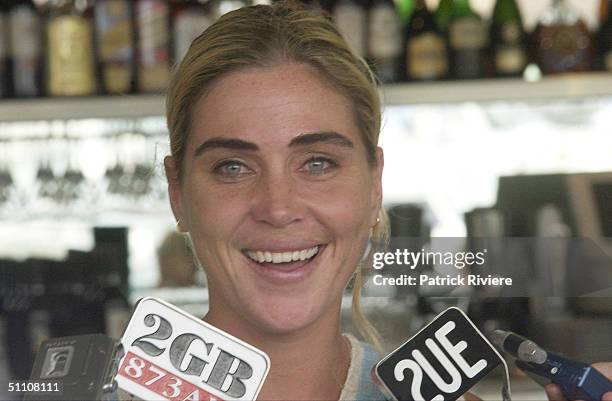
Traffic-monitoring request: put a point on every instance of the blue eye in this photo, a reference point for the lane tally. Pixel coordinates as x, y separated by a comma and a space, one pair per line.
319, 165
231, 168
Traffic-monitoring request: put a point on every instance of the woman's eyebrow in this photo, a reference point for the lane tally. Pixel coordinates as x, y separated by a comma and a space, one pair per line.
324, 136
300, 140
226, 143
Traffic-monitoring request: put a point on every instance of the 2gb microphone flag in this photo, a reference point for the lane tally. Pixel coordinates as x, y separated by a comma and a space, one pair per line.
441, 362
172, 355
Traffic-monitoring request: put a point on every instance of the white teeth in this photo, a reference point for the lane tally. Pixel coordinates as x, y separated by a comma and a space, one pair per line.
282, 257
309, 254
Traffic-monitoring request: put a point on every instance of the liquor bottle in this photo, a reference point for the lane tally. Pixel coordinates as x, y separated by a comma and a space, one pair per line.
604, 7
425, 49
152, 24
467, 42
508, 39
189, 20
561, 41
350, 18
70, 54
115, 45
384, 39
26, 45
405, 8
443, 13
4, 50
605, 40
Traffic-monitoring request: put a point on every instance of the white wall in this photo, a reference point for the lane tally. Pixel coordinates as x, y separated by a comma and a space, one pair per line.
451, 156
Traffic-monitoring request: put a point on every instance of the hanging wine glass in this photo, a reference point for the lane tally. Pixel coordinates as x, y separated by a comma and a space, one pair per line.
6, 179
47, 184
141, 178
73, 178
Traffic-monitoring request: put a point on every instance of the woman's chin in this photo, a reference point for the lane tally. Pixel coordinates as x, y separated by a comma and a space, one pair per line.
284, 317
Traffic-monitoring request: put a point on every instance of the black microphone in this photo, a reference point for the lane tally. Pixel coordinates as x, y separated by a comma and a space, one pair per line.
74, 368
441, 362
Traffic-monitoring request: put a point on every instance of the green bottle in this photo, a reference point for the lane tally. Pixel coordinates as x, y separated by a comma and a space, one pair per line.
443, 13
508, 39
404, 9
468, 42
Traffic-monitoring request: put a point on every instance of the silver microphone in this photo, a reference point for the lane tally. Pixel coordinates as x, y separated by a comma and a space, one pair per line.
519, 347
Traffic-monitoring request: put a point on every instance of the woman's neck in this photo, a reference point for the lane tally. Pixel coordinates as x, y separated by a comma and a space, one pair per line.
310, 364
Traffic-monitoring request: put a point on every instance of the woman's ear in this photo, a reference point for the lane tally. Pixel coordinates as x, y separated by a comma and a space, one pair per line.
376, 199
174, 191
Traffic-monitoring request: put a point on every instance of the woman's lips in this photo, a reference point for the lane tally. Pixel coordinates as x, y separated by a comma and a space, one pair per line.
286, 272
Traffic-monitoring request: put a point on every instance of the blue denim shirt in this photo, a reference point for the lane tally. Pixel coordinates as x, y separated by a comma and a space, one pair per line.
358, 385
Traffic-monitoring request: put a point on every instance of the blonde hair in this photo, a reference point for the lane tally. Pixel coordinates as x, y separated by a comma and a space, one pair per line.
264, 36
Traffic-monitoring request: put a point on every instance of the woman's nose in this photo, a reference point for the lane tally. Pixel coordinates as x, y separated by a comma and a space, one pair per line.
276, 201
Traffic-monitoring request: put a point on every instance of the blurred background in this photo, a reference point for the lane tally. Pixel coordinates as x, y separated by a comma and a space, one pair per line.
496, 123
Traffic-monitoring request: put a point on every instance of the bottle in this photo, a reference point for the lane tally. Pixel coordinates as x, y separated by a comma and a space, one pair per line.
467, 42
26, 44
70, 54
350, 19
425, 49
605, 40
384, 39
604, 7
443, 13
189, 20
508, 40
152, 24
561, 41
115, 45
404, 9
4, 50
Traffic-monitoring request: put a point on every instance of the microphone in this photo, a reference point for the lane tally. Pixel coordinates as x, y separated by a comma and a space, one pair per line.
441, 362
172, 355
75, 368
577, 380
164, 354
519, 347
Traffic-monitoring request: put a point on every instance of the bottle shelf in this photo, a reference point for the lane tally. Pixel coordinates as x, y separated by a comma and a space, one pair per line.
77, 108
568, 86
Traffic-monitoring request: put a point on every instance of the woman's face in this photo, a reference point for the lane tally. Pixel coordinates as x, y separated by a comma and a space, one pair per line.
277, 195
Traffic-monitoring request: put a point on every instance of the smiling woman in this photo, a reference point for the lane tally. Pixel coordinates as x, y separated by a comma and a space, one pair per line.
275, 175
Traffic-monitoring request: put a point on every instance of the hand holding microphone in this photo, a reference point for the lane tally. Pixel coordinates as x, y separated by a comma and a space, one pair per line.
420, 370
573, 380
